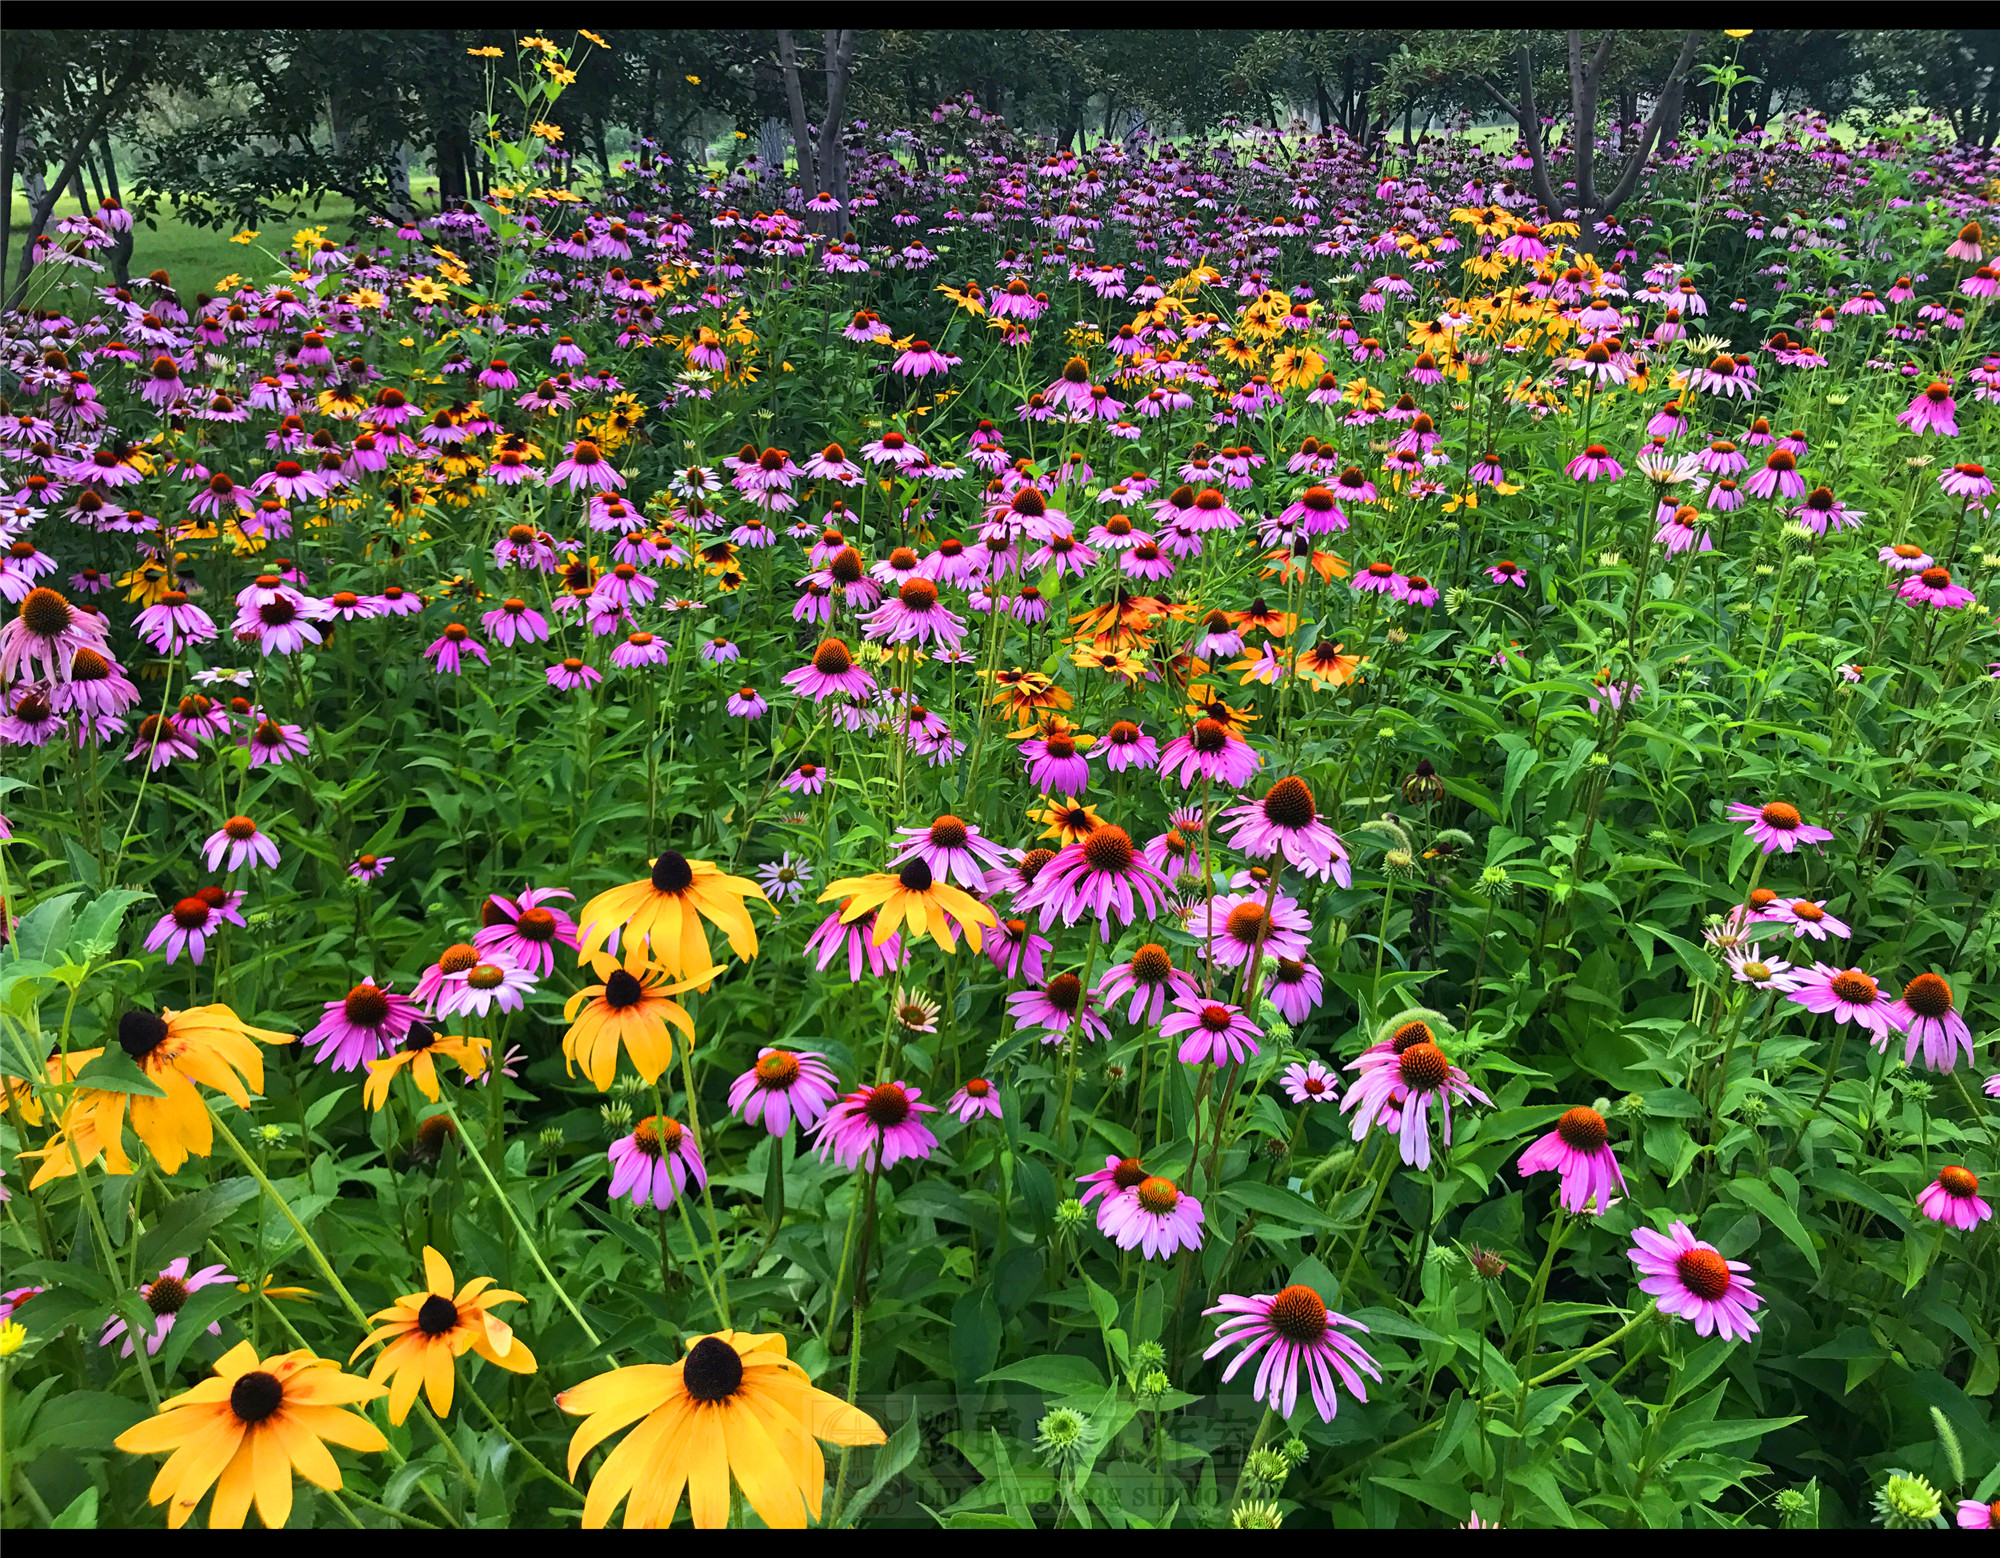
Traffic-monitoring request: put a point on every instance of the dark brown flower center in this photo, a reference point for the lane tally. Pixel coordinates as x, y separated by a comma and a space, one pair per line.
622, 991
948, 833
1247, 923
1108, 848
1928, 996
255, 1396
140, 1033
1424, 1068
1289, 804
366, 1007
1158, 1196
438, 1315
916, 877
1151, 964
1960, 1183
713, 1371
672, 873
779, 1069
885, 1106
44, 613
1583, 1129
1855, 987
1781, 816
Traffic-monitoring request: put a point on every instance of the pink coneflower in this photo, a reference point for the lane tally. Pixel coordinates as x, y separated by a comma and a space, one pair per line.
1287, 820
977, 1098
1594, 464
829, 673
1151, 979
1154, 1217
1292, 1327
448, 650
1212, 751
171, 624
1054, 765
913, 615
1779, 478
877, 1122
1407, 1082
1931, 411
496, 980
1966, 481
167, 1294
784, 1085
1310, 1082
1506, 571
187, 926
1294, 987
1236, 926
746, 703
570, 674
1777, 825
1930, 1020
272, 742
1056, 1007
806, 779
1579, 1148
1215, 1030
367, 1023
954, 850
858, 939
1933, 587
1102, 872
584, 468
47, 632
1126, 745
1976, 1516
159, 741
1761, 973
1118, 1176
1807, 917
370, 868
1014, 949
240, 839
515, 621
1692, 1280
1953, 1199
653, 1165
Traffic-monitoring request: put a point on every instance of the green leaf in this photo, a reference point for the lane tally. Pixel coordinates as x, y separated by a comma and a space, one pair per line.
1763, 1200
96, 930
43, 930
80, 1514
1287, 1206
1060, 1373
88, 1420
186, 1224
975, 1337
115, 1072
203, 1309
895, 1455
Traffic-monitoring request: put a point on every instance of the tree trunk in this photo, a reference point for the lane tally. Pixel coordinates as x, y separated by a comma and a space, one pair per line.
121, 248
45, 206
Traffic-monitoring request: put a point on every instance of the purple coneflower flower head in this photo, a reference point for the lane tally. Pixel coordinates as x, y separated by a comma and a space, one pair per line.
48, 632
746, 703
1126, 745
1151, 980
1851, 996
449, 649
806, 779
1294, 987
1054, 764
570, 674
1579, 1149
1692, 1280
1410, 1080
243, 843
166, 1295
172, 624
1290, 1328
1056, 1007
831, 671
495, 980
784, 1085
272, 742
187, 926
1933, 587
914, 615
1931, 1023
1287, 821
1216, 1030
525, 930
1931, 411
1154, 1217
653, 1165
1237, 926
1102, 873
367, 1023
1779, 478
370, 868
1211, 751
955, 851
1310, 1082
1905, 558
1013, 947
1966, 481
1594, 464
977, 1098
882, 1122
1953, 1199
1777, 825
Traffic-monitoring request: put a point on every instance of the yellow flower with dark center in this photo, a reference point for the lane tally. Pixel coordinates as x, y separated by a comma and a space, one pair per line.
427, 1331
247, 1430
630, 1009
1205, 702
1068, 819
664, 911
735, 1407
912, 894
175, 1050
148, 582
420, 1053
